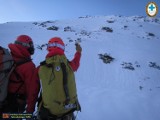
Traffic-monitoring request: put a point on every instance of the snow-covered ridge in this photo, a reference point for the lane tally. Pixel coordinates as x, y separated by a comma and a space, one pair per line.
125, 88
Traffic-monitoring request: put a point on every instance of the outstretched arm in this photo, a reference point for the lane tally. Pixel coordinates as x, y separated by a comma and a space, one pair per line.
76, 60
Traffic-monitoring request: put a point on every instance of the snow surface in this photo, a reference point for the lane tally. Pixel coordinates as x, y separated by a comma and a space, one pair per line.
106, 91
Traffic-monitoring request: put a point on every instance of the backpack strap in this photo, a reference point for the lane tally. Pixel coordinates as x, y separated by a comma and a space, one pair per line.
17, 75
23, 61
16, 64
43, 63
65, 87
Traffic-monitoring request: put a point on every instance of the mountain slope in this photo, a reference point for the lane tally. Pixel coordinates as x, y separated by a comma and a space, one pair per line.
128, 87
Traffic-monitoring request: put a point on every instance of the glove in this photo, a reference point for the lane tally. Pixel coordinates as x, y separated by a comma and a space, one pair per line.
78, 47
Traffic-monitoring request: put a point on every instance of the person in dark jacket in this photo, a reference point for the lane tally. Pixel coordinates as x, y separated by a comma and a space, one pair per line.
23, 87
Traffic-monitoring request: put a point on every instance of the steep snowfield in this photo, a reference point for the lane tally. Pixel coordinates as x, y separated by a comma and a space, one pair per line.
127, 88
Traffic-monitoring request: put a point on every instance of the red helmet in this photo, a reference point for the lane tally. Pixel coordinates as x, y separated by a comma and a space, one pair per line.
25, 41
55, 42
24, 38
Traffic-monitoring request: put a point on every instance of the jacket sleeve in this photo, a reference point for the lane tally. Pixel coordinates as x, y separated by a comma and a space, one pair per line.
76, 61
32, 86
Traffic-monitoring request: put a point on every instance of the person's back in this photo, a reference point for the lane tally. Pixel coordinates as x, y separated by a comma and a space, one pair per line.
23, 86
59, 95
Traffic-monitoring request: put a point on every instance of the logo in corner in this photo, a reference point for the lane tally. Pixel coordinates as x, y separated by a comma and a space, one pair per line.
152, 9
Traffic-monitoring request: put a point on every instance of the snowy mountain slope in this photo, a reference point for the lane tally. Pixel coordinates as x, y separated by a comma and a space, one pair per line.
125, 89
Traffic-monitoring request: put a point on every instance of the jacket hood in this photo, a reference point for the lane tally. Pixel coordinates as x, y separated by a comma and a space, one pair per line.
18, 51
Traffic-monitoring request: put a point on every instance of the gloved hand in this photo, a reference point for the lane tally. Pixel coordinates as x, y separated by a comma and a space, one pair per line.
78, 47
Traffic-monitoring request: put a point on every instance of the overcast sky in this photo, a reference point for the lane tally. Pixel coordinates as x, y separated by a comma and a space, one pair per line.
37, 10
